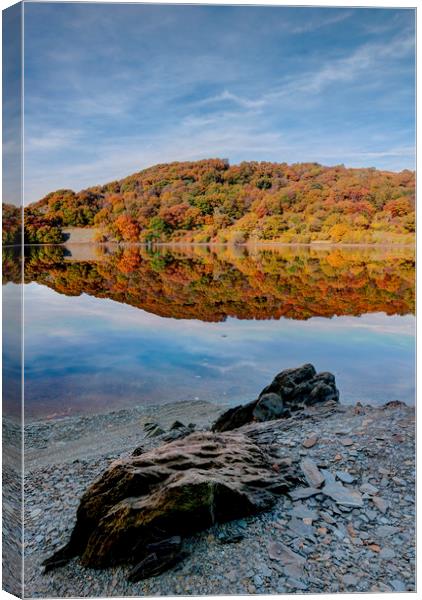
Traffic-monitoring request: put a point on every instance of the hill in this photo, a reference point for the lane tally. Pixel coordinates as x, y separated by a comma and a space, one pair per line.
211, 201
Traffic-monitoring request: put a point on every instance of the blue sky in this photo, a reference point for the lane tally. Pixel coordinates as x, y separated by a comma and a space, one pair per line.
112, 89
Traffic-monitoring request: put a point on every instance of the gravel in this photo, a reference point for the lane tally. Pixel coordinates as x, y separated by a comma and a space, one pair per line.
313, 544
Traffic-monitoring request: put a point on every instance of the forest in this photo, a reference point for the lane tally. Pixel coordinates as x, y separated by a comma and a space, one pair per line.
195, 283
210, 201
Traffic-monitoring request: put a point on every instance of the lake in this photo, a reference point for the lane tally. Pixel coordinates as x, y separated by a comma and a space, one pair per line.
110, 327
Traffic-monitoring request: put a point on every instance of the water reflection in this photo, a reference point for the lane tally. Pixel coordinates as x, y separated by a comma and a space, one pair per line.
214, 324
213, 284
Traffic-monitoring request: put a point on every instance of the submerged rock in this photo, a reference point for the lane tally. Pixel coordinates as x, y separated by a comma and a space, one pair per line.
176, 489
290, 391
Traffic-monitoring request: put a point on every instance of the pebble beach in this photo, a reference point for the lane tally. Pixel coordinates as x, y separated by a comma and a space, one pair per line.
303, 545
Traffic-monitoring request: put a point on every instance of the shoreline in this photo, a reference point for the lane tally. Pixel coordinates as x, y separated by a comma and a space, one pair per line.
322, 244
348, 549
69, 438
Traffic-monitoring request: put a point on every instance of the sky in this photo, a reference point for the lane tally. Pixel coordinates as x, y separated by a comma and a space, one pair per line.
113, 89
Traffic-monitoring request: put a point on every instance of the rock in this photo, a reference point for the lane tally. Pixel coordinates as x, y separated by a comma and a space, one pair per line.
152, 430
381, 587
163, 555
313, 475
350, 579
387, 554
230, 538
347, 441
232, 576
138, 451
345, 477
399, 481
398, 585
298, 527
177, 425
296, 583
173, 490
367, 488
394, 404
270, 407
292, 562
328, 476
258, 581
310, 441
327, 518
300, 493
343, 495
303, 512
386, 530
177, 433
265, 571
291, 390
235, 417
380, 503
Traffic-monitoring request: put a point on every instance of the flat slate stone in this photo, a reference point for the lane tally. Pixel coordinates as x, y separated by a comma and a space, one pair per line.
298, 527
292, 562
367, 488
380, 503
386, 530
398, 585
310, 441
300, 493
303, 512
313, 475
349, 579
387, 554
342, 495
345, 477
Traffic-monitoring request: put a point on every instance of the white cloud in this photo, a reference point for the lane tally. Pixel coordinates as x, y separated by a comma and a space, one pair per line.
45, 140
314, 24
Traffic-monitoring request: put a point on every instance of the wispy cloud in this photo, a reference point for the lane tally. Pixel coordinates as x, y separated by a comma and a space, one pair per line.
51, 139
149, 84
366, 60
313, 24
229, 96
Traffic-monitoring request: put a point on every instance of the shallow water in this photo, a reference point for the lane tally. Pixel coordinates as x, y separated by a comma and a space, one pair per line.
108, 328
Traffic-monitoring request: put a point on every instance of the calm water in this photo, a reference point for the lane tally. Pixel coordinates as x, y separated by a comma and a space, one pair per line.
107, 329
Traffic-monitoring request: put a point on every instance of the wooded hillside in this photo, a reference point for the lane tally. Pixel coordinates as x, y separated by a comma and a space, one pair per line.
211, 201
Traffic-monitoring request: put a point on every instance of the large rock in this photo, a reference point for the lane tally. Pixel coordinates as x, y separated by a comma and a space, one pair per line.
174, 490
290, 390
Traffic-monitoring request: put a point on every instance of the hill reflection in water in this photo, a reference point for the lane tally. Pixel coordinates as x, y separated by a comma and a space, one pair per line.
107, 328
212, 284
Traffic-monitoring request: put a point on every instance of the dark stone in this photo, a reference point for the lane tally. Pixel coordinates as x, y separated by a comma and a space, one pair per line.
230, 538
164, 555
176, 489
152, 430
394, 404
269, 407
178, 431
235, 417
290, 391
138, 451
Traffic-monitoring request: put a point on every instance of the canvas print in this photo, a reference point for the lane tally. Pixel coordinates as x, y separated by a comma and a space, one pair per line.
208, 300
